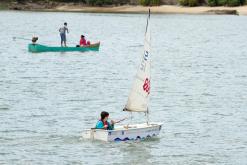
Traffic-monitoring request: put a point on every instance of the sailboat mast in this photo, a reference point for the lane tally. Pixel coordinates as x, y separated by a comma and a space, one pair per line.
148, 20
147, 114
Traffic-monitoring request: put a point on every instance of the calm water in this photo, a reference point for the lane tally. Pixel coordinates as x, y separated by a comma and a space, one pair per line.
199, 89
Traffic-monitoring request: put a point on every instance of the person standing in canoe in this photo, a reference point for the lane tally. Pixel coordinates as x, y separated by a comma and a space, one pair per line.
62, 31
103, 123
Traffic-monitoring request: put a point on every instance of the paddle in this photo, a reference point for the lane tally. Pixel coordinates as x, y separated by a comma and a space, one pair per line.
26, 39
21, 38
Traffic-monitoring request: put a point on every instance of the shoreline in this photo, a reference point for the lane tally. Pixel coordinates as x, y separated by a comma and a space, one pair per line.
163, 9
129, 9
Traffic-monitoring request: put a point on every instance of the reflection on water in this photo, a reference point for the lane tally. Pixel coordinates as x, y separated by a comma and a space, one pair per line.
199, 70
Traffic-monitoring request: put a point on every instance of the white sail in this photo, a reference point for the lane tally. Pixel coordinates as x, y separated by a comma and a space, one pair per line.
139, 95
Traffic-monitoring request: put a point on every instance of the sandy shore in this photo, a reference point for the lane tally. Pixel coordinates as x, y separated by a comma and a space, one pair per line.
164, 9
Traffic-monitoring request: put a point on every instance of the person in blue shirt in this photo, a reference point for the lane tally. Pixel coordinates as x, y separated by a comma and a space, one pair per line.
103, 123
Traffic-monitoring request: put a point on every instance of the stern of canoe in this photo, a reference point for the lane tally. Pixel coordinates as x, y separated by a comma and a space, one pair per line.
35, 48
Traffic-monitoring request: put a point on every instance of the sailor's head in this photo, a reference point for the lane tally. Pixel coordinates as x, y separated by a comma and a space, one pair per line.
104, 115
65, 23
82, 36
34, 39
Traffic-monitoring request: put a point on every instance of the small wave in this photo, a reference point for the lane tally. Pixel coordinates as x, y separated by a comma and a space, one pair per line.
4, 108
135, 46
221, 114
18, 130
208, 94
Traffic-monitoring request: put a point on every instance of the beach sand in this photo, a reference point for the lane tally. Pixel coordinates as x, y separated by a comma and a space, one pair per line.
164, 9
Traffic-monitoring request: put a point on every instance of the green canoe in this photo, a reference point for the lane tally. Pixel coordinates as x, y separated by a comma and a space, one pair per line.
35, 48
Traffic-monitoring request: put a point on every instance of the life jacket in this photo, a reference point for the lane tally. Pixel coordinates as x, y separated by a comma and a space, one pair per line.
105, 124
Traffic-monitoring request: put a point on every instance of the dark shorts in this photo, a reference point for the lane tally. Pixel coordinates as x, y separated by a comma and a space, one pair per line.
63, 37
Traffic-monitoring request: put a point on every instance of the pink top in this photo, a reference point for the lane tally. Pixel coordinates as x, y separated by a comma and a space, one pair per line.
83, 42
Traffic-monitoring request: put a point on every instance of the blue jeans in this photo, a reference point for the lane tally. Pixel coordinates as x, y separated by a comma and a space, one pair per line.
63, 37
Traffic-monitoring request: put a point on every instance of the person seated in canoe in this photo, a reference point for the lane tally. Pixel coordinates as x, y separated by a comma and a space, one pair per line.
103, 123
83, 41
34, 40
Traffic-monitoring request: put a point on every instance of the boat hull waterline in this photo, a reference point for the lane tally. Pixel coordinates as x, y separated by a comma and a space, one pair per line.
123, 133
36, 48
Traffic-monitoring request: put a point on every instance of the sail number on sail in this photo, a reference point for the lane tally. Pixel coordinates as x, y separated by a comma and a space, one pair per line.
145, 58
145, 55
146, 86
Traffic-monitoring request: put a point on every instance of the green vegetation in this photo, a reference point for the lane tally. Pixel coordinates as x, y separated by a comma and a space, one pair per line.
99, 2
212, 2
88, 2
149, 2
81, 1
230, 3
3, 6
193, 3
184, 2
233, 3
190, 3
221, 2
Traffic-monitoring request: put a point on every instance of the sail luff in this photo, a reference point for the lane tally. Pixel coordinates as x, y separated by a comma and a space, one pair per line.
139, 95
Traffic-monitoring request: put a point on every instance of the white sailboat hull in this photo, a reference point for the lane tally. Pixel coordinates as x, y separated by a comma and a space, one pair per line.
124, 133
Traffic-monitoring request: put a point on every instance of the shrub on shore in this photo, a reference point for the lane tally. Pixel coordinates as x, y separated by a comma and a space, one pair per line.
99, 2
212, 3
193, 3
149, 2
3, 5
155, 2
184, 2
233, 3
230, 3
190, 3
